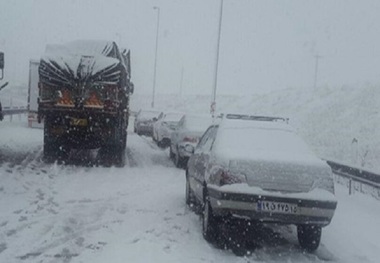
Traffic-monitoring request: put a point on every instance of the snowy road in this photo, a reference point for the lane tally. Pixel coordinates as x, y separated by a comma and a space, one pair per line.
67, 213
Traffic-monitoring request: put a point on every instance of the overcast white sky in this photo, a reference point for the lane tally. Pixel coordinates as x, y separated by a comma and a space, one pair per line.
265, 44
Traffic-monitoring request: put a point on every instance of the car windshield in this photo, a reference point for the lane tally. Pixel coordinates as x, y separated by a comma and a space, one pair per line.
159, 131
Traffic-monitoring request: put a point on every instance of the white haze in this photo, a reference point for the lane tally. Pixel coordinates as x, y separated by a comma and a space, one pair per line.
265, 45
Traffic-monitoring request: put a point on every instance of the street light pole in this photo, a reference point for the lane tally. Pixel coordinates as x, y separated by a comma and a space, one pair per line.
155, 57
213, 103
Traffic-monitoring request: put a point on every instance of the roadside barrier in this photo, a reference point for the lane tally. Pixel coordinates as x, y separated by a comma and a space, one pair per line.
356, 179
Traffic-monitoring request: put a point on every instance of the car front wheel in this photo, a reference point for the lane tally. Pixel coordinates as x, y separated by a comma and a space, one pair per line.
179, 161
309, 237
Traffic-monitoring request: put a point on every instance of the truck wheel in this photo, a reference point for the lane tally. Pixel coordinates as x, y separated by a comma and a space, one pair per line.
50, 151
309, 237
55, 151
109, 155
119, 156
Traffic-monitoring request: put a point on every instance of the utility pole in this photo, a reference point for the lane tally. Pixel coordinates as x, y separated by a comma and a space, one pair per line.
155, 56
213, 102
317, 57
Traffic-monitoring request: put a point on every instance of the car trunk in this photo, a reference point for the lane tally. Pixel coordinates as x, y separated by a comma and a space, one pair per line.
281, 176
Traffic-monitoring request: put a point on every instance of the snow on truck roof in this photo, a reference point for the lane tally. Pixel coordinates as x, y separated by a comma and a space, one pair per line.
92, 61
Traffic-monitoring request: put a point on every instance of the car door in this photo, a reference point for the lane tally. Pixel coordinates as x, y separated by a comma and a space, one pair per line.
199, 162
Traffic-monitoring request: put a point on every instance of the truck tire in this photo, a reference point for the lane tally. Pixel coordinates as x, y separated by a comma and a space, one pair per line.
54, 148
49, 151
119, 156
55, 151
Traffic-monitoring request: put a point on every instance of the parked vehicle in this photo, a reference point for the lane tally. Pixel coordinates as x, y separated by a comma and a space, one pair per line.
144, 122
164, 126
186, 136
258, 168
33, 92
85, 88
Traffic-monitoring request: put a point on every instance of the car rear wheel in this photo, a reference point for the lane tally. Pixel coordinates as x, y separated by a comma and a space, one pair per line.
179, 161
208, 221
189, 194
171, 154
309, 237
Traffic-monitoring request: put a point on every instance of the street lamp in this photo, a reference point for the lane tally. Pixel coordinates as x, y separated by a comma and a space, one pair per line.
155, 57
213, 103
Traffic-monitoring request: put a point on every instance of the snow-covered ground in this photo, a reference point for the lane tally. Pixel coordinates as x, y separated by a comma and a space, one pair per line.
68, 213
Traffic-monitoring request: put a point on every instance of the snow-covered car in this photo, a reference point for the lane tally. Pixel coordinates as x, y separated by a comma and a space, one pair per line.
258, 168
144, 122
186, 136
164, 126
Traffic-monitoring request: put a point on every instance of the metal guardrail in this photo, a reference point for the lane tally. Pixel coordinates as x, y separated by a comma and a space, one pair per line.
14, 110
359, 176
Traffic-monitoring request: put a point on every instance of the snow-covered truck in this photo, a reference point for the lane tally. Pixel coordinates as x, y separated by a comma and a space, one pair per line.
84, 92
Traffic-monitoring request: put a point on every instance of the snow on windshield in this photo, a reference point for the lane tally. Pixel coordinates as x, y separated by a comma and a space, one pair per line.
260, 142
95, 61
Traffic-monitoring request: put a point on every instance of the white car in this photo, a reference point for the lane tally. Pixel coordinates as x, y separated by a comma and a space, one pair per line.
144, 121
257, 168
186, 136
164, 126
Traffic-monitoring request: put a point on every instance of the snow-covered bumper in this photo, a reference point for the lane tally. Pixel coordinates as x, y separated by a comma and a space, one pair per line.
272, 209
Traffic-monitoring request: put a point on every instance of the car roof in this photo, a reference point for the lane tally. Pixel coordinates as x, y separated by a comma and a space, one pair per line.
231, 121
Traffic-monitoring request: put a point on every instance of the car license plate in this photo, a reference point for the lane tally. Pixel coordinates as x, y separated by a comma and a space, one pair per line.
78, 122
277, 207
